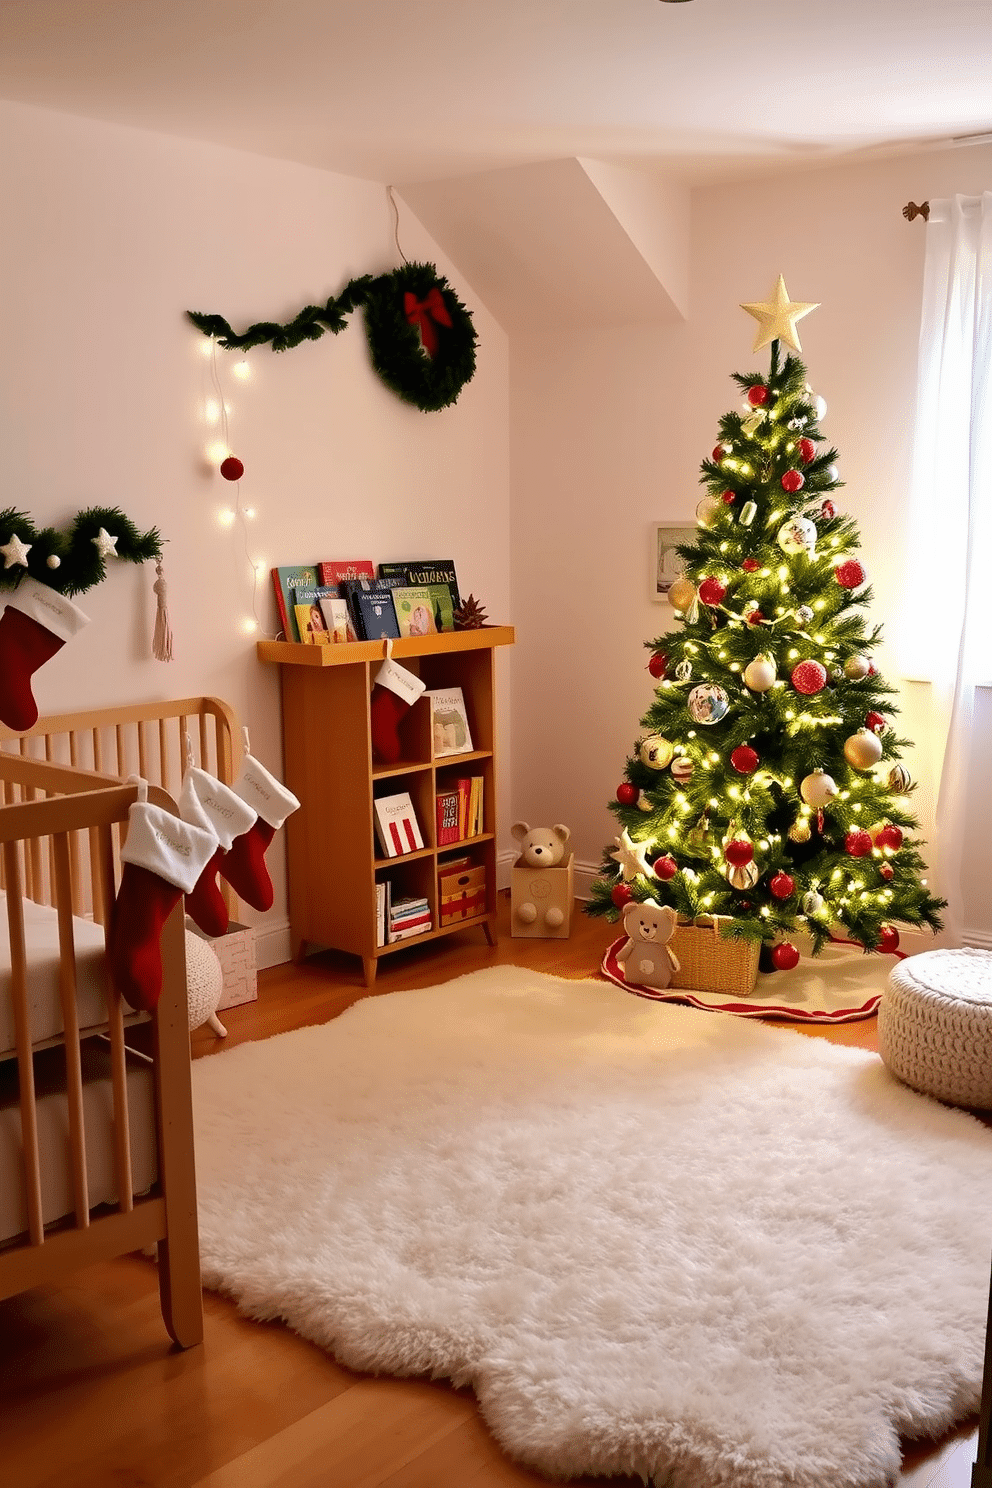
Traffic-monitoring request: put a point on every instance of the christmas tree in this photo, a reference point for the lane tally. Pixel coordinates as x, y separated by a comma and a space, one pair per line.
766, 784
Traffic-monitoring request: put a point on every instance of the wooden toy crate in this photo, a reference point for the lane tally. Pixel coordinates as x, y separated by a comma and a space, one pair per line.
461, 895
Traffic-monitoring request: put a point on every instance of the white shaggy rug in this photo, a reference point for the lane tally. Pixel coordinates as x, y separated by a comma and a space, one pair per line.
690, 1247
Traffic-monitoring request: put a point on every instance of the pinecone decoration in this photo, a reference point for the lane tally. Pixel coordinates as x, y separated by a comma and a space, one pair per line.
470, 615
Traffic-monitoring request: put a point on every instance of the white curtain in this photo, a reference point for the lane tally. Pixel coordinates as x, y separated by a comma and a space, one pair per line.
949, 632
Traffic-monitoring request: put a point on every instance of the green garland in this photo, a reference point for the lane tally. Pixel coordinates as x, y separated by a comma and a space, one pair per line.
70, 562
428, 380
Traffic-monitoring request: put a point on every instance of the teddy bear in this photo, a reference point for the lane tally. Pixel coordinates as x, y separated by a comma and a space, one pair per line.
647, 959
540, 847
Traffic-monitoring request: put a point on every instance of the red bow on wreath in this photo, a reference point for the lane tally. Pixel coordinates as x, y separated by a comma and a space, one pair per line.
423, 313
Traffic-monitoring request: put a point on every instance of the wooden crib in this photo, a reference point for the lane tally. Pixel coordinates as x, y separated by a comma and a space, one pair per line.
96, 1137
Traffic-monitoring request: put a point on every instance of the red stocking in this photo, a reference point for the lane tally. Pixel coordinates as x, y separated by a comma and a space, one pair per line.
163, 857
36, 623
207, 803
395, 690
244, 865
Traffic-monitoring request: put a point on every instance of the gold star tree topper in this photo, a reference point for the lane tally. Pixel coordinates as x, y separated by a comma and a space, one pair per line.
777, 317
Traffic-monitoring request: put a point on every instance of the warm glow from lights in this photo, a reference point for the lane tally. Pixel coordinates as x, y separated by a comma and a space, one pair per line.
211, 411
250, 513
249, 626
226, 517
207, 346
241, 369
218, 452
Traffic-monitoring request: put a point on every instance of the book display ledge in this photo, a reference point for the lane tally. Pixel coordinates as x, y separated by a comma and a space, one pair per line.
334, 859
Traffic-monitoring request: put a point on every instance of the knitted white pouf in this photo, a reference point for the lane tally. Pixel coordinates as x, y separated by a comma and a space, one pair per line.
204, 984
935, 1025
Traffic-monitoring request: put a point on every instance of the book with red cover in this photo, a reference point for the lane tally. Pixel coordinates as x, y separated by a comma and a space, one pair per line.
396, 825
335, 569
447, 818
464, 788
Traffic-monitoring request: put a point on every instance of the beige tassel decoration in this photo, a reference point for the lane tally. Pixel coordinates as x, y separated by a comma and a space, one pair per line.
162, 637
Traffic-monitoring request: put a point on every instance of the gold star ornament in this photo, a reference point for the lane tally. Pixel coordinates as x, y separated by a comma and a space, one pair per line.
777, 317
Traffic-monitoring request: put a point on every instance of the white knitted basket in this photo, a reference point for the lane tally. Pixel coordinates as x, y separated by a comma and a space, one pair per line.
935, 1025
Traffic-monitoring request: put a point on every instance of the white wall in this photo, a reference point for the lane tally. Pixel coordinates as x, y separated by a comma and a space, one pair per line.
609, 429
107, 236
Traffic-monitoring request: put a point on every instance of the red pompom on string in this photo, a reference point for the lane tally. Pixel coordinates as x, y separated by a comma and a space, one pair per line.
665, 868
887, 871
792, 481
850, 575
888, 939
750, 565
232, 469
744, 759
891, 837
809, 677
807, 450
875, 722
728, 498
711, 591
782, 885
757, 395
621, 894
738, 853
626, 793
857, 844
784, 956
658, 664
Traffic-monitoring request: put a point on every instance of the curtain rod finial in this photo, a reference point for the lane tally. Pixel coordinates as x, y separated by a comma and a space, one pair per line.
911, 211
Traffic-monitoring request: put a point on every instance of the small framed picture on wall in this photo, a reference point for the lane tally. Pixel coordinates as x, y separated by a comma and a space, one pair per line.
666, 565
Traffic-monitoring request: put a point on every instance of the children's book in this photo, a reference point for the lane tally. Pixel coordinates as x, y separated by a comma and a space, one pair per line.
333, 570
447, 818
371, 607
475, 807
396, 825
424, 571
414, 609
285, 581
339, 623
449, 722
311, 624
444, 606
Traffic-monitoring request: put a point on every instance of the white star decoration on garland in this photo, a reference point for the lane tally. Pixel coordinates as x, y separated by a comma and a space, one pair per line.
15, 552
777, 317
105, 545
632, 857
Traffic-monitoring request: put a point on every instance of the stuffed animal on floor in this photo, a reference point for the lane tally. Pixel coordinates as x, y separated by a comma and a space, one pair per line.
540, 847
647, 959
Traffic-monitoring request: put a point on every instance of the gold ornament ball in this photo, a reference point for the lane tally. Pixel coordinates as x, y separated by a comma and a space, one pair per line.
707, 509
863, 750
759, 674
742, 875
818, 789
899, 780
681, 594
644, 803
800, 831
856, 667
657, 753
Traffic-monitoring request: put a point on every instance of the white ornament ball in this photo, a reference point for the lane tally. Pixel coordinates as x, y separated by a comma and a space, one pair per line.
707, 509
656, 752
856, 667
819, 407
682, 768
812, 903
204, 984
644, 803
742, 875
863, 750
53, 560
832, 474
818, 789
804, 614
760, 673
797, 535
707, 703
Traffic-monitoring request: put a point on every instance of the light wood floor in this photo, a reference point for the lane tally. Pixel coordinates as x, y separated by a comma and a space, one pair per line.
92, 1394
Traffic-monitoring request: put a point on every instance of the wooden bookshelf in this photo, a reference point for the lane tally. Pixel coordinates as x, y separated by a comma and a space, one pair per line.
333, 855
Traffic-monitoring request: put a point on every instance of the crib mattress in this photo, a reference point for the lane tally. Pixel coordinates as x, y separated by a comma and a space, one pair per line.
41, 936
53, 1134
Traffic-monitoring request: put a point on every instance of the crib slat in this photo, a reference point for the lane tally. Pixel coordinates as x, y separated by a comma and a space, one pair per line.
165, 773
115, 1022
142, 750
22, 1030
70, 1024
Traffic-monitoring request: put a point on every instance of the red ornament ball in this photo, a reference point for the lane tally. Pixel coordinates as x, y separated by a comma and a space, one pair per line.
757, 395
888, 938
719, 453
809, 677
729, 497
750, 565
626, 793
755, 617
875, 722
828, 510
887, 871
784, 956
621, 894
850, 575
807, 450
792, 481
658, 664
857, 844
744, 759
232, 469
890, 836
782, 885
738, 853
711, 591
665, 868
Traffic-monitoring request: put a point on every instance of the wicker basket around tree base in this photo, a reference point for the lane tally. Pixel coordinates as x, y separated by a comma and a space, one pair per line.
710, 963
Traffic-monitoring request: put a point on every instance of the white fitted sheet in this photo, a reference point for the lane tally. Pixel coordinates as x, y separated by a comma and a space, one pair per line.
41, 936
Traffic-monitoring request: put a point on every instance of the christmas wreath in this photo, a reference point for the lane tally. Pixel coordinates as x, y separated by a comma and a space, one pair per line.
421, 337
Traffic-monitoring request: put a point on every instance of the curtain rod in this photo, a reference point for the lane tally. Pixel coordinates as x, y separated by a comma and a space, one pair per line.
911, 211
